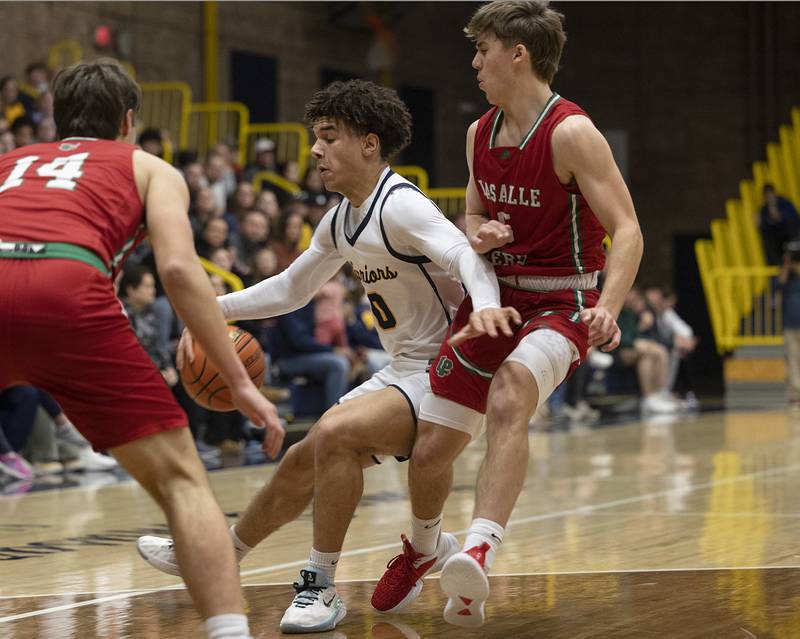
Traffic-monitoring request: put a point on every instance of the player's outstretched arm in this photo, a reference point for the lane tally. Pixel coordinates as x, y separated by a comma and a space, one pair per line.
189, 289
581, 152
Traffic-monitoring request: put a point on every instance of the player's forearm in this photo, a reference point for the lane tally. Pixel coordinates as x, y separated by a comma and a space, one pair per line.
623, 264
478, 277
473, 222
192, 296
268, 298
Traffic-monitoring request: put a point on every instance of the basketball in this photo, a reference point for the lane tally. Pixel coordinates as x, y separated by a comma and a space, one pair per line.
205, 385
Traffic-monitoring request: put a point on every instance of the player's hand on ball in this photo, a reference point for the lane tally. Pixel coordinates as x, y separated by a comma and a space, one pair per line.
491, 235
603, 330
489, 321
185, 351
259, 410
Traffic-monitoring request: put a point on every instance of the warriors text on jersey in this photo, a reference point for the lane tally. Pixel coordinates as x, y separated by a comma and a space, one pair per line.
403, 250
87, 188
555, 231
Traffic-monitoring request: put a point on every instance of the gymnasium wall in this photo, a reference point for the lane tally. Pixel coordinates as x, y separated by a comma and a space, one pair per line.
699, 88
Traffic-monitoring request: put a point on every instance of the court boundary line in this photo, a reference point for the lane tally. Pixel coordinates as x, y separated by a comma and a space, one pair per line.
518, 522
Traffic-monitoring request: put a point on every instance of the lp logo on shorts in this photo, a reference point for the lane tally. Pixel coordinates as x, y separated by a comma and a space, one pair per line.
444, 367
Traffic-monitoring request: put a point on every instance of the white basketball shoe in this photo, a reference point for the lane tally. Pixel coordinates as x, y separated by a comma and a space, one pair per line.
316, 607
465, 582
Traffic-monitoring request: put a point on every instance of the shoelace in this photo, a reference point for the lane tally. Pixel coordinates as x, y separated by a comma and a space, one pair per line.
307, 594
406, 568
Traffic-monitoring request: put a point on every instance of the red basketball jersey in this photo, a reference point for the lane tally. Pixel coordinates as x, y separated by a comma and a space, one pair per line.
555, 231
79, 191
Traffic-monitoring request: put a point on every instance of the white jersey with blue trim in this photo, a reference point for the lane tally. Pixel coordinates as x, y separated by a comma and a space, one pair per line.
412, 298
408, 257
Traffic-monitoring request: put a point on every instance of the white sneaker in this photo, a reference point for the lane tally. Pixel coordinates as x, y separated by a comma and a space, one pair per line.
465, 582
89, 461
316, 607
658, 404
159, 552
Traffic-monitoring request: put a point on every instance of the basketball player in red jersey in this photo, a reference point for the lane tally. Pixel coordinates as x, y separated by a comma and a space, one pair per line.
543, 191
70, 212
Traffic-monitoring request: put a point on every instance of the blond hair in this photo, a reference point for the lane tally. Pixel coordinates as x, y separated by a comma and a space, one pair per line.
531, 23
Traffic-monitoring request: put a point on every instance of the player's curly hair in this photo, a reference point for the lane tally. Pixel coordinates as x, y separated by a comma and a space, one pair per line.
364, 107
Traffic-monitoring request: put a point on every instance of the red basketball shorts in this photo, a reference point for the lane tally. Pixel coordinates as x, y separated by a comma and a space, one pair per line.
463, 374
62, 329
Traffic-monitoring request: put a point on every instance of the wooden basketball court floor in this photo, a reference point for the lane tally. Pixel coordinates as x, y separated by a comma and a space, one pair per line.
684, 527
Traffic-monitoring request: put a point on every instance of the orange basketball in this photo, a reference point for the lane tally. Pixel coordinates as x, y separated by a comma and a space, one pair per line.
205, 385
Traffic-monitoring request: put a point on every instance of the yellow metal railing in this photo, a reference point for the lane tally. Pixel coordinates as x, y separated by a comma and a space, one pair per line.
165, 105
451, 201
273, 178
212, 122
229, 278
414, 174
290, 138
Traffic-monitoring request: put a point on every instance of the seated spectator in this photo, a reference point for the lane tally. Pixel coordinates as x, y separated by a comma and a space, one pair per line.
222, 257
650, 358
290, 170
37, 80
317, 208
300, 206
263, 265
218, 174
253, 236
202, 210
671, 331
151, 142
18, 406
215, 234
297, 352
264, 159
363, 336
6, 138
244, 200
286, 243
55, 444
312, 182
233, 171
137, 289
13, 104
46, 130
195, 178
22, 129
267, 202
778, 224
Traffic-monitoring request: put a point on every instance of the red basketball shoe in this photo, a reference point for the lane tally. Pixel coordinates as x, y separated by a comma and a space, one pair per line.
402, 581
465, 582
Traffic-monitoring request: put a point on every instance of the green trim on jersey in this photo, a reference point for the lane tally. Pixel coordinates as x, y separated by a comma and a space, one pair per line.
472, 368
575, 233
53, 250
499, 118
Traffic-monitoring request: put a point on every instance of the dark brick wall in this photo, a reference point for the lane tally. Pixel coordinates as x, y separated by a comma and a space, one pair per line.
698, 87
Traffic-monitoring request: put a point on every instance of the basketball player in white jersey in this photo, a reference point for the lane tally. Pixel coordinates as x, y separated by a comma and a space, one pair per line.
410, 259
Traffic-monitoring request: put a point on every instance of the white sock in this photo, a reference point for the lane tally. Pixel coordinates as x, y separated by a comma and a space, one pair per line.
324, 562
425, 534
239, 547
485, 531
227, 627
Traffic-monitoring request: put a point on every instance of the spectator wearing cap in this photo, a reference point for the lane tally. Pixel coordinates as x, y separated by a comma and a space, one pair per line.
264, 159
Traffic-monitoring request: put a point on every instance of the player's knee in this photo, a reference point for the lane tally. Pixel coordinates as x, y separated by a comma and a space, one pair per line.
300, 456
435, 449
333, 436
512, 394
